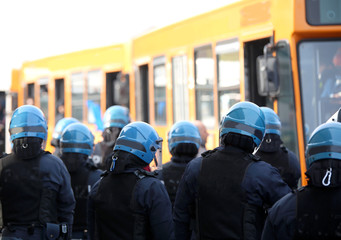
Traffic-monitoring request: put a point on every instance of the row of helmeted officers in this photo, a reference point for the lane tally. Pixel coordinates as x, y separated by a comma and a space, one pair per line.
244, 189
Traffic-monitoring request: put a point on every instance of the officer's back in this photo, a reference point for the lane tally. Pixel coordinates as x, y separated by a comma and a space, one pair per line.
223, 194
129, 202
183, 143
275, 153
312, 212
35, 189
76, 144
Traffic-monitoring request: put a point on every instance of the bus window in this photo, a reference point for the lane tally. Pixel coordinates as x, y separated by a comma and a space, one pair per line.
320, 63
228, 69
204, 75
77, 89
117, 89
160, 79
180, 88
43, 96
29, 100
95, 86
142, 93
59, 100
323, 12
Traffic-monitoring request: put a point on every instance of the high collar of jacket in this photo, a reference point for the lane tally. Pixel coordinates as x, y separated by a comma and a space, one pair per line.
181, 159
271, 143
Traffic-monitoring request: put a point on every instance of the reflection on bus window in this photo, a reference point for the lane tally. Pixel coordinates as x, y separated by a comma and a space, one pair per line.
160, 79
94, 95
204, 75
320, 72
77, 89
180, 88
228, 69
95, 86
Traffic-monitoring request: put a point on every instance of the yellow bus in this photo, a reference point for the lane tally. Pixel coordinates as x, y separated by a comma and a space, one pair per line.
281, 54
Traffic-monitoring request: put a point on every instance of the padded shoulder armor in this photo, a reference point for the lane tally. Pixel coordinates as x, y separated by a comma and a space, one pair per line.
254, 158
208, 152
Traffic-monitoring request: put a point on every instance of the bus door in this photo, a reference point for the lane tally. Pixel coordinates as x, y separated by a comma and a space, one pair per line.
117, 89
252, 50
59, 99
274, 68
142, 94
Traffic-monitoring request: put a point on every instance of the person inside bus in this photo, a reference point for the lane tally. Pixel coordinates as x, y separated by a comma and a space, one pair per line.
76, 145
275, 153
57, 133
312, 212
129, 202
114, 119
183, 144
331, 77
60, 111
222, 195
35, 187
203, 134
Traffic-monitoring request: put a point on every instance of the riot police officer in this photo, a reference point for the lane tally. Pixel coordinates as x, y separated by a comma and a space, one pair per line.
76, 144
183, 143
129, 202
222, 195
275, 153
35, 190
114, 119
312, 212
58, 129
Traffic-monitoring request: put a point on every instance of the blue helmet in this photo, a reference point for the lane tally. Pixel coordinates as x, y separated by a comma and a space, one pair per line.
272, 122
116, 116
61, 125
183, 132
77, 138
244, 118
28, 121
324, 143
140, 139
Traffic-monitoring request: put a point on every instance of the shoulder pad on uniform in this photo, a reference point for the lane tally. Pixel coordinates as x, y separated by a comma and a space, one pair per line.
254, 157
208, 152
140, 173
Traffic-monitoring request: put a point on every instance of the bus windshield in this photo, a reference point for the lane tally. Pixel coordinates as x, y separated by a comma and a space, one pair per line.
320, 74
